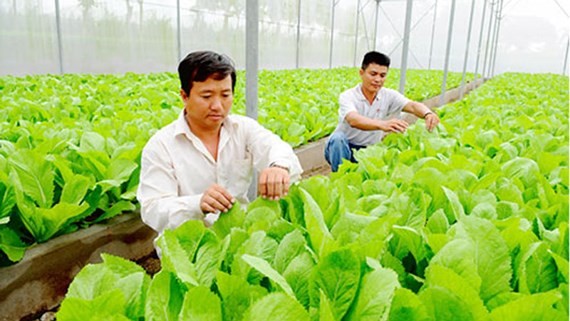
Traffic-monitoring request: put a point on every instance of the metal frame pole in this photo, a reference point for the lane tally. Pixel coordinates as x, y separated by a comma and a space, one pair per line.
58, 30
251, 67
489, 28
404, 66
376, 25
447, 53
178, 31
493, 35
432, 35
480, 39
356, 33
462, 90
564, 70
298, 34
333, 2
499, 19
251, 56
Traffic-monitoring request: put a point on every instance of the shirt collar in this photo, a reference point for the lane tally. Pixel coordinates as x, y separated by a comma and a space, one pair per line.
181, 126
361, 96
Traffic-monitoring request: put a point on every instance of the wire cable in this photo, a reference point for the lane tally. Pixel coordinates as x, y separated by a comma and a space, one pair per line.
564, 11
401, 37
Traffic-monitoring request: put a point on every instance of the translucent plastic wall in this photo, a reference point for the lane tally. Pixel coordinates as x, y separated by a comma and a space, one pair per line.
96, 36
107, 36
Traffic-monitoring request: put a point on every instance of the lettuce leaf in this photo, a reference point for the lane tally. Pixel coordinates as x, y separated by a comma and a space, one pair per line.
277, 307
202, 305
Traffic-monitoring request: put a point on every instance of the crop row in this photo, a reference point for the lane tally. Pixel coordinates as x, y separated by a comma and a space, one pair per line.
467, 223
70, 144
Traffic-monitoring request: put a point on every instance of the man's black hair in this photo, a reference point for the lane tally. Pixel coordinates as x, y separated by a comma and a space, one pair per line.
201, 65
375, 57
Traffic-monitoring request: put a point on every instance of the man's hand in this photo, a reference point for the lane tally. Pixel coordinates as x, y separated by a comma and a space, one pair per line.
393, 125
216, 198
431, 121
273, 183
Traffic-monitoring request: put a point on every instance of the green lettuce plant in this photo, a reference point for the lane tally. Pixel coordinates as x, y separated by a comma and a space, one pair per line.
451, 225
70, 144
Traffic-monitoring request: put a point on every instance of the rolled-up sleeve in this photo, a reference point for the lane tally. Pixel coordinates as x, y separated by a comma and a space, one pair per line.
397, 101
346, 105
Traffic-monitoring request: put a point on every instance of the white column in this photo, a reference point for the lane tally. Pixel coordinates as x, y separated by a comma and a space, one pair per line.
466, 58
58, 30
406, 45
447, 53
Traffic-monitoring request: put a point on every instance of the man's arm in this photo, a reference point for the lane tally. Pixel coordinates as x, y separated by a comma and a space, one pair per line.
347, 112
161, 206
275, 159
422, 111
354, 119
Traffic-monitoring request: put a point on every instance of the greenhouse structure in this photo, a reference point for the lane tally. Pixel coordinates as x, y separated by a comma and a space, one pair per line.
171, 160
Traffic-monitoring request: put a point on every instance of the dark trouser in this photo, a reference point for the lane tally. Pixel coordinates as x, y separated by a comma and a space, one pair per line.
338, 148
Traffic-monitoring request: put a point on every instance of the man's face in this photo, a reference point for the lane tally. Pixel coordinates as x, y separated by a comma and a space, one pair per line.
208, 103
373, 77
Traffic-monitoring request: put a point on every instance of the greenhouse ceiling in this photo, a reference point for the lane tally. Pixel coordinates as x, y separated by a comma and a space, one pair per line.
109, 36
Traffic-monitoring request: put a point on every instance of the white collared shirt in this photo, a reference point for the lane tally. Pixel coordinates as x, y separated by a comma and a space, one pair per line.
387, 104
176, 168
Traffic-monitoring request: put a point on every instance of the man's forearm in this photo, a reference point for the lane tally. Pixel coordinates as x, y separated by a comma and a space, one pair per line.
362, 122
417, 109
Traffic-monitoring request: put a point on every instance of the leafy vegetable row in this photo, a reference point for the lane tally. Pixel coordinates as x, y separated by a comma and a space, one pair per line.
470, 223
70, 145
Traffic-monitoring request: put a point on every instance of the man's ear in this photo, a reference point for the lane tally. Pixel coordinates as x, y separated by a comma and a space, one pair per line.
183, 94
361, 71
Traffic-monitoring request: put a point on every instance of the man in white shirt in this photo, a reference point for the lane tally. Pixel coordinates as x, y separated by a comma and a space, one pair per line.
198, 166
368, 111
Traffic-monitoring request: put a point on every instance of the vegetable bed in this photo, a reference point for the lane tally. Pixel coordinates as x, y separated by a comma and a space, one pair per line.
468, 223
70, 145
